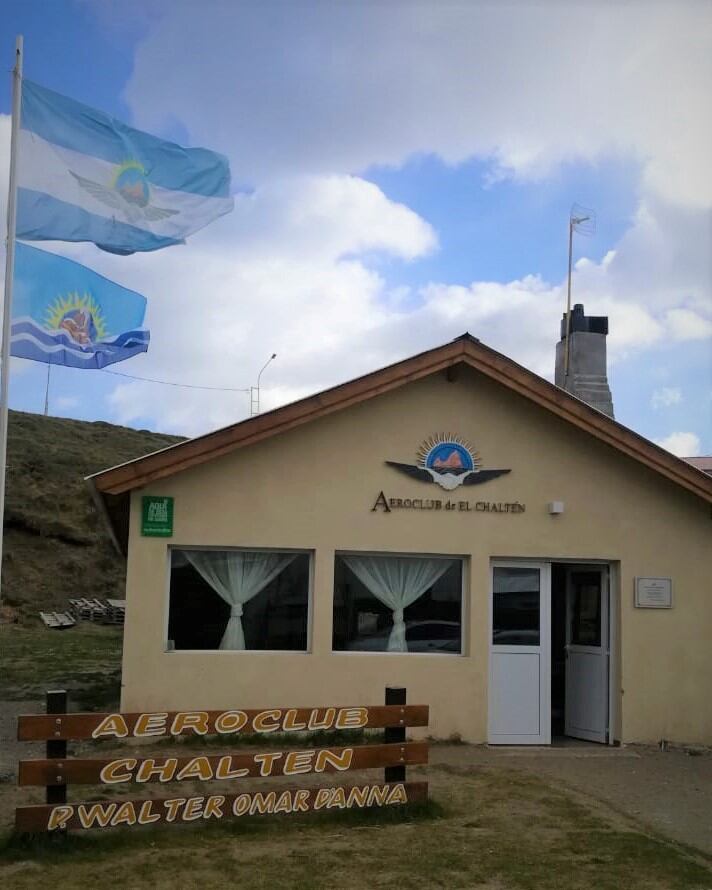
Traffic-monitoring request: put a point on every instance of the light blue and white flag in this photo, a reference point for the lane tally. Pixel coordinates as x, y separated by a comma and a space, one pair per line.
65, 314
84, 176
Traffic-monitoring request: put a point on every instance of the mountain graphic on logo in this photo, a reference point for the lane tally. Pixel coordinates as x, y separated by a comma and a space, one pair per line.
453, 461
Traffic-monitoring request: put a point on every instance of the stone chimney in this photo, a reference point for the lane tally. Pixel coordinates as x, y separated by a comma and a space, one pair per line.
587, 378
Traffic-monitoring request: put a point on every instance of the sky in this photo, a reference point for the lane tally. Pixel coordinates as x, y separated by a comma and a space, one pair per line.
402, 172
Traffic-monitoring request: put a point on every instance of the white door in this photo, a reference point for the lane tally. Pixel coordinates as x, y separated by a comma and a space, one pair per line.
520, 655
586, 710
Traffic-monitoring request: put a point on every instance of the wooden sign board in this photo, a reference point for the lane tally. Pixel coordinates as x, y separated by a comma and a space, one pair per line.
653, 593
39, 727
57, 771
148, 811
218, 766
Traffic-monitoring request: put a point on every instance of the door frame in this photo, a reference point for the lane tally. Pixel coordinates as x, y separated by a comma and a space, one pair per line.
614, 655
544, 649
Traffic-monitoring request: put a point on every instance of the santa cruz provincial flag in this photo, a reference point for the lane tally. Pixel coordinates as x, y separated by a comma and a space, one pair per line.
65, 314
84, 176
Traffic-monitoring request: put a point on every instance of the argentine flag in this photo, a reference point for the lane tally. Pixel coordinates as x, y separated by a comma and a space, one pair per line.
65, 314
84, 176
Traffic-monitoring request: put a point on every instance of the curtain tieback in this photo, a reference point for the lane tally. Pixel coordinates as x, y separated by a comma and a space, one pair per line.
236, 611
398, 616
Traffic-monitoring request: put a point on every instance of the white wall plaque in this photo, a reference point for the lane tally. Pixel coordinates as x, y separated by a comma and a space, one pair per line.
653, 593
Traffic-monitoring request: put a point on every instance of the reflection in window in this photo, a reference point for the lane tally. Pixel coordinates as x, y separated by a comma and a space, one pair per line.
238, 599
397, 604
586, 608
515, 618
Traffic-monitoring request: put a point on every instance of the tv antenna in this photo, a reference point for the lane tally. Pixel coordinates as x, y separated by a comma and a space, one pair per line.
581, 220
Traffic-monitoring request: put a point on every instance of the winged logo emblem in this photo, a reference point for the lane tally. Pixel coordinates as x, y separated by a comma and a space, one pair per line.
129, 194
448, 461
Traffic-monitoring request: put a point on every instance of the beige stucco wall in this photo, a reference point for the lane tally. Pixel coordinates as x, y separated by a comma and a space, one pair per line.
314, 487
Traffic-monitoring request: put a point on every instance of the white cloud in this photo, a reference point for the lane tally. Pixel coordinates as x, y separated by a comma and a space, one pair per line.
320, 87
686, 324
665, 397
292, 271
681, 444
286, 273
340, 87
218, 313
662, 260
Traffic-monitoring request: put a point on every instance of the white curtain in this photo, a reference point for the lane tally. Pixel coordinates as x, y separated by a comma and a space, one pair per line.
397, 581
237, 576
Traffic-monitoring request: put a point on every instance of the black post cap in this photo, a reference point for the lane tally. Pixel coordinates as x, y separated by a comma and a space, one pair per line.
591, 324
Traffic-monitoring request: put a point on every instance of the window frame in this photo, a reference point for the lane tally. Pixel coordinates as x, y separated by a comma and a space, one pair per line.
310, 553
464, 604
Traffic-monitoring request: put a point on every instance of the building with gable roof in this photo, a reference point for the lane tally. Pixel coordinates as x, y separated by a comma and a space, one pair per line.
452, 523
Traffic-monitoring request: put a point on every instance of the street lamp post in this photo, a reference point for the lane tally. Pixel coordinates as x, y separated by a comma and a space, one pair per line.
255, 390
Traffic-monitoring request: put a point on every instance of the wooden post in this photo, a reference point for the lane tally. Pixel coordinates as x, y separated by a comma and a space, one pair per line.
395, 695
57, 748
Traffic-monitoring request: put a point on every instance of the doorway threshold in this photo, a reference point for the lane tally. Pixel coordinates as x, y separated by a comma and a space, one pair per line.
563, 747
567, 741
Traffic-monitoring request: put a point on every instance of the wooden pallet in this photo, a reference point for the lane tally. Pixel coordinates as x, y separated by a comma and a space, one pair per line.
57, 620
110, 611
117, 604
115, 611
88, 609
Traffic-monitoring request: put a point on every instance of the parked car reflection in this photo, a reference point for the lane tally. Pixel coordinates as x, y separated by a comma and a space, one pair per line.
421, 636
516, 637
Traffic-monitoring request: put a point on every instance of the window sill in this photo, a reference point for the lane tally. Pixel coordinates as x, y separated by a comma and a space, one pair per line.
400, 654
236, 652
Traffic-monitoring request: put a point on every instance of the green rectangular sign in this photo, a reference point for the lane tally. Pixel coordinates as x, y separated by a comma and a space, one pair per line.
157, 517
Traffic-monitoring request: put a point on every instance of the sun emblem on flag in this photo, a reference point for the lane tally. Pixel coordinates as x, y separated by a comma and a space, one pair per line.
131, 183
449, 461
79, 315
129, 192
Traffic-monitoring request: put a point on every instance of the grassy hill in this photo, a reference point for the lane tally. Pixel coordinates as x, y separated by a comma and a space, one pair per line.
56, 546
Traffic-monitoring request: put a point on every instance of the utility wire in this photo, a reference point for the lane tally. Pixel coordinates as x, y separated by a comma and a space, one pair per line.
171, 383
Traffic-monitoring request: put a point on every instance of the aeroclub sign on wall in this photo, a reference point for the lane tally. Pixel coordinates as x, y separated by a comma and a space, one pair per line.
448, 461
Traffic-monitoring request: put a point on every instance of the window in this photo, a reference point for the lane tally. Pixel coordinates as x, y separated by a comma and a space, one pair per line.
397, 604
238, 600
515, 612
586, 608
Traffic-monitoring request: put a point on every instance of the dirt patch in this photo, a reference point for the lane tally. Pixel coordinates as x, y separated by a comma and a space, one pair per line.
669, 792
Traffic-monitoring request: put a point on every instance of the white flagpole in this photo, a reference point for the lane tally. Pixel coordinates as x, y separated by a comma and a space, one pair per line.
46, 411
9, 272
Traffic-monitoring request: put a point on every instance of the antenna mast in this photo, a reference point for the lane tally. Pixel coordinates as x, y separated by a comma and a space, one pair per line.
582, 220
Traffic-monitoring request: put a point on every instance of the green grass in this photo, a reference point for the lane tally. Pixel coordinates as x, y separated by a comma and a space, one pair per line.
56, 544
86, 660
483, 828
